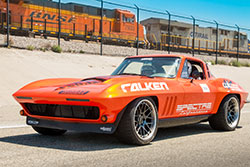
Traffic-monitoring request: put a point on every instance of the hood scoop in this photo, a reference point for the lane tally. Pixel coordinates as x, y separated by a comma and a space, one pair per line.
96, 78
101, 78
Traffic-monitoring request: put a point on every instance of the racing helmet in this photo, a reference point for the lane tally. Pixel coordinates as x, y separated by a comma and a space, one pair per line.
189, 68
148, 70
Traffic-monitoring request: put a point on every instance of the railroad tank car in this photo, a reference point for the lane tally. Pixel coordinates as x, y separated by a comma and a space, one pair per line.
77, 21
181, 37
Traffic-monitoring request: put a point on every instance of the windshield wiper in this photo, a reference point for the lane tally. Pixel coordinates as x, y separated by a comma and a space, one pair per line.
135, 74
128, 74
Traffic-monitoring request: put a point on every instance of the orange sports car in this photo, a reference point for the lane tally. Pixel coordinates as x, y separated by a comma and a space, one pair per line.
143, 94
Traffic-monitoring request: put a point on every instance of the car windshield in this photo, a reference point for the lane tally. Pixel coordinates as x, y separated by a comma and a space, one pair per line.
166, 67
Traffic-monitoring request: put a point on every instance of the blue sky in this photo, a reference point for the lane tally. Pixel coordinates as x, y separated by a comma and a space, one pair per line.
223, 11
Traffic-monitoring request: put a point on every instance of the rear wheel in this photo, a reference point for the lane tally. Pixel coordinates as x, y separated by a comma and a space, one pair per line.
228, 115
139, 122
49, 131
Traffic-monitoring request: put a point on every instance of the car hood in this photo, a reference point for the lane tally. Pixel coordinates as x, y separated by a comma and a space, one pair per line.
88, 87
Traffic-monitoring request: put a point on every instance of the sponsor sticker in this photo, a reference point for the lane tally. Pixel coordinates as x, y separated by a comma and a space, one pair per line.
147, 58
72, 92
106, 129
187, 109
32, 122
146, 86
205, 88
75, 84
230, 85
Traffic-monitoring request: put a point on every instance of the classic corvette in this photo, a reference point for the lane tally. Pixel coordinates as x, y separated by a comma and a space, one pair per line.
143, 94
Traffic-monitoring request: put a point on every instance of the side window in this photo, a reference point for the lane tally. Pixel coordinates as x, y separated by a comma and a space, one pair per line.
208, 72
186, 70
191, 67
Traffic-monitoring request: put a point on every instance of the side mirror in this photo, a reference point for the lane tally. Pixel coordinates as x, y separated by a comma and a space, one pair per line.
195, 74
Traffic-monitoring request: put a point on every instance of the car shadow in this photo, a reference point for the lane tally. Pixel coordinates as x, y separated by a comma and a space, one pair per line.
73, 141
181, 131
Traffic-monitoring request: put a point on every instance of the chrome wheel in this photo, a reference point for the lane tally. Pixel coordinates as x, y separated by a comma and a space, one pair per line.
145, 119
232, 112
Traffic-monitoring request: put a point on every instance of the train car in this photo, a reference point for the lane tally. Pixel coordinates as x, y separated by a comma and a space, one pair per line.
248, 46
77, 21
181, 37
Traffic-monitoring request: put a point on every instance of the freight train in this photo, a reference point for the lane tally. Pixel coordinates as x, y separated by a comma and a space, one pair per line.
40, 17
181, 37
248, 46
77, 21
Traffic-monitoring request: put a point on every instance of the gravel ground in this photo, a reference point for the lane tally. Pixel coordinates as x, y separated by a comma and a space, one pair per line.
94, 48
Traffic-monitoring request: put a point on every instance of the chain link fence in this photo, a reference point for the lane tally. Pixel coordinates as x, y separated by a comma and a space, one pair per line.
104, 25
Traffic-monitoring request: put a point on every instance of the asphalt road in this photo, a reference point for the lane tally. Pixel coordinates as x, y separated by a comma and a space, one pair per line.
192, 145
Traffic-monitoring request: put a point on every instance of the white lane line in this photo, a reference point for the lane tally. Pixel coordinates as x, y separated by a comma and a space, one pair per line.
13, 126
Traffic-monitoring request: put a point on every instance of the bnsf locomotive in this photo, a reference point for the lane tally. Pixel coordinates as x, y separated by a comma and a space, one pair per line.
77, 21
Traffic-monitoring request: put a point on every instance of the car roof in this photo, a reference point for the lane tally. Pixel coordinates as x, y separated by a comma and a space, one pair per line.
166, 55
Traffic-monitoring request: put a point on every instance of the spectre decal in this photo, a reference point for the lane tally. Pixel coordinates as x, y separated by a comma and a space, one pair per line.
146, 86
187, 109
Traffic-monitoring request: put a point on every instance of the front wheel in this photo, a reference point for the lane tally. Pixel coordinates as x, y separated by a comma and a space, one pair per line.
228, 115
49, 131
139, 122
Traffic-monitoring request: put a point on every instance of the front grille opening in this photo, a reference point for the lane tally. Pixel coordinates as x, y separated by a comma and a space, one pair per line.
63, 111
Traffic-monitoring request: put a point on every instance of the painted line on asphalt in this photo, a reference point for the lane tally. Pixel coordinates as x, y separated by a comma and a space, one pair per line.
13, 126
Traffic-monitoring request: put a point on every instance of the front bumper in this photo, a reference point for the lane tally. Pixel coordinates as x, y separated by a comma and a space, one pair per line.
80, 127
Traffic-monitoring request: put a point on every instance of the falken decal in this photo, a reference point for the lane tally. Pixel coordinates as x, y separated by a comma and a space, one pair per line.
187, 109
230, 85
205, 88
146, 86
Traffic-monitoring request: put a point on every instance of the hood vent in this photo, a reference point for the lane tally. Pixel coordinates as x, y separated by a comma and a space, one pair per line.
96, 78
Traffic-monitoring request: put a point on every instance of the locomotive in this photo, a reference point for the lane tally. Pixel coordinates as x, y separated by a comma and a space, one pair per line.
77, 21
181, 37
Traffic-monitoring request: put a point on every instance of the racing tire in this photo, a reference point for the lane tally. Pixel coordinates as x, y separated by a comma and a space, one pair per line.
139, 123
49, 131
228, 115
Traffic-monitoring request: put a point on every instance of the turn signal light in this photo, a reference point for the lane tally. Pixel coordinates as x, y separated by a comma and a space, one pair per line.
104, 118
22, 113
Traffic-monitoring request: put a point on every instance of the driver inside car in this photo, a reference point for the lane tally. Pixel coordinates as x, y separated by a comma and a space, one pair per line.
148, 70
